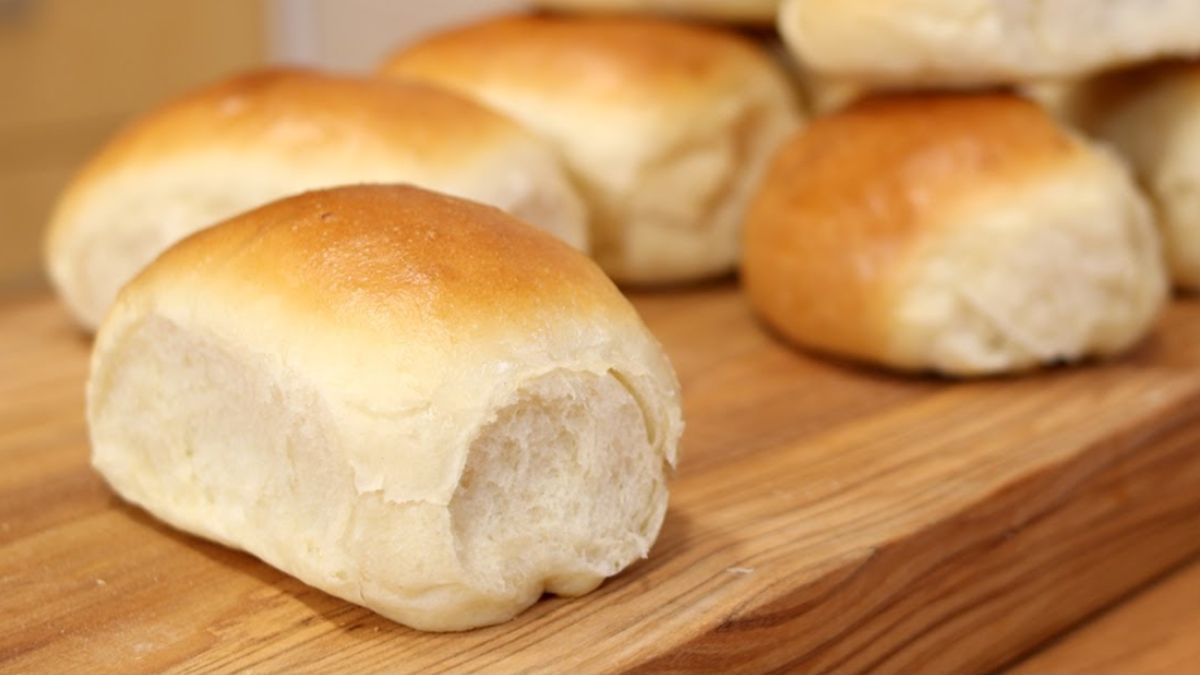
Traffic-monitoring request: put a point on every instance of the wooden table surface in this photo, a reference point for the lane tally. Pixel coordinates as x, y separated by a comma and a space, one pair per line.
1154, 631
825, 517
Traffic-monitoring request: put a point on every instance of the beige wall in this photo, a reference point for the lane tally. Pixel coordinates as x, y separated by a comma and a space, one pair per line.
355, 34
73, 70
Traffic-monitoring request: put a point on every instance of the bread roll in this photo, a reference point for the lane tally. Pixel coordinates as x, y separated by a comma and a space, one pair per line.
1152, 115
829, 95
964, 234
982, 42
740, 11
410, 401
825, 96
1053, 95
264, 135
666, 126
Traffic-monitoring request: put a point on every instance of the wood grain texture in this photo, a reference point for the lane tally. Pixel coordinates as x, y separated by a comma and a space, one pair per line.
1154, 632
825, 518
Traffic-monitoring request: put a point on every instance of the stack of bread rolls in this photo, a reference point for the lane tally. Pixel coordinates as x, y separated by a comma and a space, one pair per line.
936, 219
412, 401
440, 408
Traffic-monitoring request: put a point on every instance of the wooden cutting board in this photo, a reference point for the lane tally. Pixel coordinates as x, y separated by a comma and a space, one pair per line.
825, 517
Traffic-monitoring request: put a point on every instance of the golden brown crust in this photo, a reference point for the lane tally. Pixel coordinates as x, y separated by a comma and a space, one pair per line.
291, 112
848, 199
357, 369
295, 110
602, 58
760, 12
389, 259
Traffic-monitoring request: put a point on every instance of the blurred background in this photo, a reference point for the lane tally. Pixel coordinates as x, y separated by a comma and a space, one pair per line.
73, 71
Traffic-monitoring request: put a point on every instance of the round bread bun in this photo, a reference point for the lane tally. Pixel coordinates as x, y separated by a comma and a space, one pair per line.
737, 11
410, 401
982, 42
665, 126
263, 135
963, 234
1151, 114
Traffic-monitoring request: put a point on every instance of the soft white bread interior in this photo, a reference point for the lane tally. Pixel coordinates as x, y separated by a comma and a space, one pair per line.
260, 136
1151, 114
666, 126
982, 42
964, 234
738, 11
413, 402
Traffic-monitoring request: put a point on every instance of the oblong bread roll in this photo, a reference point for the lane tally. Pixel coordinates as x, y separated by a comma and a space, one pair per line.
410, 401
665, 126
938, 43
260, 136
